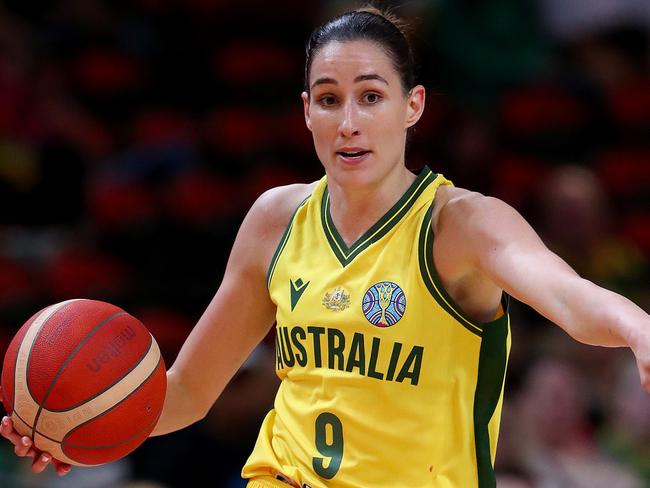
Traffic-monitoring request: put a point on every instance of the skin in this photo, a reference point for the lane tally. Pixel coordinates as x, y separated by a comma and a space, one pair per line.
502, 253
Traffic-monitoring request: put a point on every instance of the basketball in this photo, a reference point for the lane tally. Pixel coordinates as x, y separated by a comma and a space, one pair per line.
85, 380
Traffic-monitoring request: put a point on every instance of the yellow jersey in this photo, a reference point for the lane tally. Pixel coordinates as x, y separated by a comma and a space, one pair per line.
385, 381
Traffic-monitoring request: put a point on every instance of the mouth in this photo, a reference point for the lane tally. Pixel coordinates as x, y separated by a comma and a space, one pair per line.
353, 156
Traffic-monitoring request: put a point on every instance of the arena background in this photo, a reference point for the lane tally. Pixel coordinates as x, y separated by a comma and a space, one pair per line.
134, 135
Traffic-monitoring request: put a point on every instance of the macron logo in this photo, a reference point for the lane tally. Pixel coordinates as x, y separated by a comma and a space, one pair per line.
297, 289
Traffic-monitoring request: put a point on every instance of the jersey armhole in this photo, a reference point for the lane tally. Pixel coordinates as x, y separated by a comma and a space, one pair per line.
282, 244
437, 290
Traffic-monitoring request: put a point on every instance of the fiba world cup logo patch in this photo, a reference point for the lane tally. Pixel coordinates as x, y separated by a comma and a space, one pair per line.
384, 304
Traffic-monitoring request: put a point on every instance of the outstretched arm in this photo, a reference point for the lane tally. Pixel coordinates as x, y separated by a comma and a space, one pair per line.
508, 252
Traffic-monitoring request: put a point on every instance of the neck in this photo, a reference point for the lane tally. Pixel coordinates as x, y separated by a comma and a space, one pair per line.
355, 209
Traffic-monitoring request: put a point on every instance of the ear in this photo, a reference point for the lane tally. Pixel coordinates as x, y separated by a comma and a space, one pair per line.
305, 106
415, 105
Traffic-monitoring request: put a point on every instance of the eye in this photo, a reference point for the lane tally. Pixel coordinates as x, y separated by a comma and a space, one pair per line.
371, 98
327, 100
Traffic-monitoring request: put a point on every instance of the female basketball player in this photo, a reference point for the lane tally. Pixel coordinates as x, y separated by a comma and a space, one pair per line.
388, 292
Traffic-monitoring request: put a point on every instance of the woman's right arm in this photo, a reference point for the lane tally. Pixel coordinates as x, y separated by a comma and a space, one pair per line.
236, 320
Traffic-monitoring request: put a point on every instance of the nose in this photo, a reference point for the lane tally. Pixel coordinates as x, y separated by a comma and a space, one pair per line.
349, 124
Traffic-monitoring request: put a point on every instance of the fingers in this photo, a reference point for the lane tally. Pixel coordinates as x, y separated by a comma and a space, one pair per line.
23, 447
5, 427
22, 444
41, 462
61, 468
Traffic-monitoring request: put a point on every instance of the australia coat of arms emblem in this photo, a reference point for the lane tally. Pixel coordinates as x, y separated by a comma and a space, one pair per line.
337, 299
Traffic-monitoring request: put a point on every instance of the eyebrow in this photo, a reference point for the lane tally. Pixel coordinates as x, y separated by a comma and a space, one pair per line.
332, 81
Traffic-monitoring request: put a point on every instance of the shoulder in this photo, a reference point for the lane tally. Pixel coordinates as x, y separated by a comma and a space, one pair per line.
274, 207
464, 210
472, 228
266, 221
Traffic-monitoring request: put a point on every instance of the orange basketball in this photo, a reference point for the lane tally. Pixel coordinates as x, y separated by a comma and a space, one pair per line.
85, 380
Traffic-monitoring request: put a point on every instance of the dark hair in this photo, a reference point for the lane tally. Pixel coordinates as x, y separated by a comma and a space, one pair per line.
371, 24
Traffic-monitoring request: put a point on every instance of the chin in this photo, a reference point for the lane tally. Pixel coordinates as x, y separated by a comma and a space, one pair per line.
358, 176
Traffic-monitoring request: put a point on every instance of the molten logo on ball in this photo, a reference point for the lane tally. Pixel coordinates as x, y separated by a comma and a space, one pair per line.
112, 349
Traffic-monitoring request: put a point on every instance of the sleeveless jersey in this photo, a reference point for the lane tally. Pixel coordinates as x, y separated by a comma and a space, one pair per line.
385, 381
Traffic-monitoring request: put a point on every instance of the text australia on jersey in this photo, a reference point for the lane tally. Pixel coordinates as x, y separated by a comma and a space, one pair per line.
327, 347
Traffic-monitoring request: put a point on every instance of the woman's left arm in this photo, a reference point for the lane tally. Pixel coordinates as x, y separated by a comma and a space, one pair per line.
506, 250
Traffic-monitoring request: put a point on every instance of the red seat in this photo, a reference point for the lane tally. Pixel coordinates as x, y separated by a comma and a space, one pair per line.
625, 171
629, 103
162, 126
16, 282
86, 273
239, 131
106, 72
269, 176
541, 108
199, 198
517, 177
252, 62
637, 228
118, 204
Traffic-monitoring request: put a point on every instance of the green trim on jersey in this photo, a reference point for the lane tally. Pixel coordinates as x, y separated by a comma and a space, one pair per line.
282, 243
489, 386
492, 359
344, 254
432, 280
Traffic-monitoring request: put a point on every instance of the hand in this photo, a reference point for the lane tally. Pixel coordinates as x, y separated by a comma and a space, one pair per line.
23, 447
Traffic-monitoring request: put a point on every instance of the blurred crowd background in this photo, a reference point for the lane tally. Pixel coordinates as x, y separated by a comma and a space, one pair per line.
134, 136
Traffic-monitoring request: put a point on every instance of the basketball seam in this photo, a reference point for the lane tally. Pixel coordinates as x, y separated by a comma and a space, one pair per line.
29, 358
92, 397
135, 390
65, 363
48, 312
38, 432
75, 446
106, 411
36, 336
13, 396
111, 446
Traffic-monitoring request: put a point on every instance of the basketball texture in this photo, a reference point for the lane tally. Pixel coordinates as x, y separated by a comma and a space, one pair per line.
85, 380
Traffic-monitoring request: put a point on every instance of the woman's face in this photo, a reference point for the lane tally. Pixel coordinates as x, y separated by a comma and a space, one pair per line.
358, 113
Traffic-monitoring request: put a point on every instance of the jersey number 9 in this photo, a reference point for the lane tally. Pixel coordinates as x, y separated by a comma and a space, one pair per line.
332, 450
